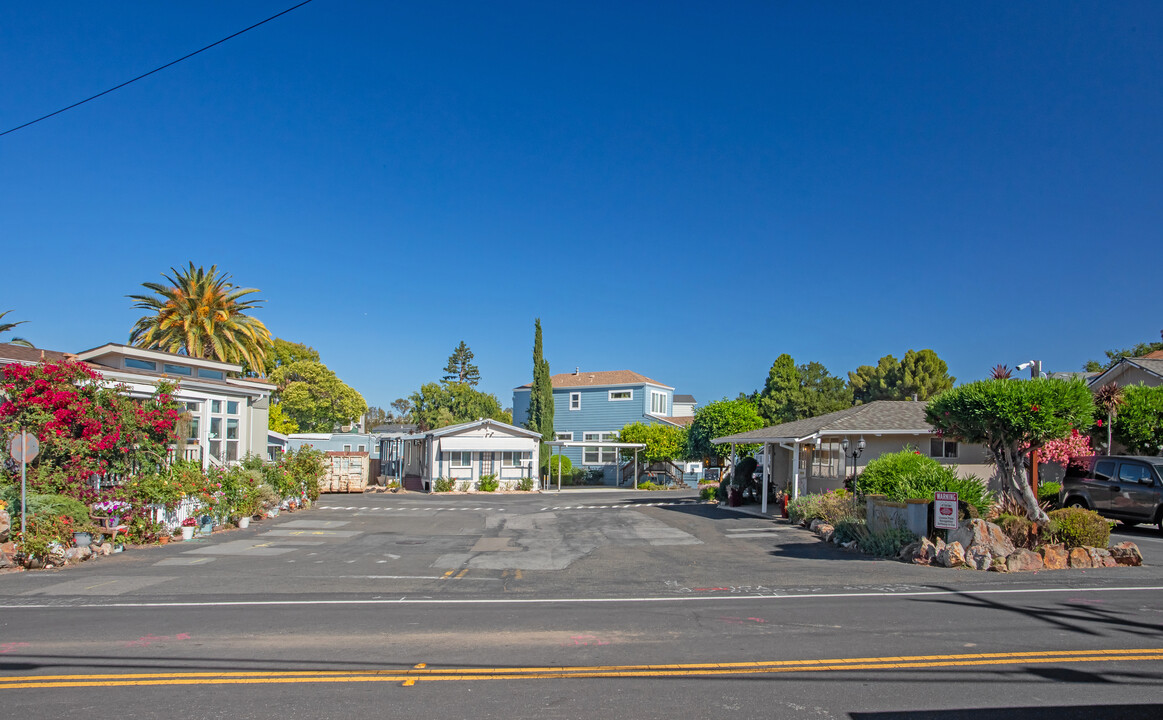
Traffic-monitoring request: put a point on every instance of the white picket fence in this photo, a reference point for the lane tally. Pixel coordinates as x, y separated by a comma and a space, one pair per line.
187, 508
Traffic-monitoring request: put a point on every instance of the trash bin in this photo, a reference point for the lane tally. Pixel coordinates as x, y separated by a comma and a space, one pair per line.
734, 496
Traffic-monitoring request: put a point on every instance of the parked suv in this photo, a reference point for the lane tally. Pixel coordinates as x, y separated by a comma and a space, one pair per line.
1121, 487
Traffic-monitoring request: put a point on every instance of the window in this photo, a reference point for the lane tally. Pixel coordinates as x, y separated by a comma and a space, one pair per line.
621, 395
361, 448
567, 436
599, 455
1104, 470
1129, 473
212, 374
216, 437
232, 439
460, 459
575, 401
513, 458
826, 460
177, 369
195, 425
941, 448
140, 364
347, 448
193, 406
657, 402
216, 406
231, 407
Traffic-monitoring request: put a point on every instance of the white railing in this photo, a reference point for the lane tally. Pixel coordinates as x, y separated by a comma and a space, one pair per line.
187, 508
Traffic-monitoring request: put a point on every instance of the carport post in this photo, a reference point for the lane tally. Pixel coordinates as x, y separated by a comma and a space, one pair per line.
795, 470
732, 476
559, 471
635, 468
763, 505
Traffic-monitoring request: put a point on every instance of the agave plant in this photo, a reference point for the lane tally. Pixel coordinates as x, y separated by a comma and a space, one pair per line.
1001, 372
202, 314
7, 327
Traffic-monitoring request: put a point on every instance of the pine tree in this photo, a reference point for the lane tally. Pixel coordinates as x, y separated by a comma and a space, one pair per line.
460, 368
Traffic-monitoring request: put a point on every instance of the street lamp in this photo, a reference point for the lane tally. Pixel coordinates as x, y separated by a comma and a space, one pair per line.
855, 454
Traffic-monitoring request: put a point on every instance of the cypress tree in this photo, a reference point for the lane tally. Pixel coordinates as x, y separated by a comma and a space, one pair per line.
541, 394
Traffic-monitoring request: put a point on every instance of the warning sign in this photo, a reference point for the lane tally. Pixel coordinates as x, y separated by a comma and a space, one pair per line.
945, 511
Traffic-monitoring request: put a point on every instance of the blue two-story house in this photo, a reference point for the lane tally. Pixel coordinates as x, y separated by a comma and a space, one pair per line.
594, 406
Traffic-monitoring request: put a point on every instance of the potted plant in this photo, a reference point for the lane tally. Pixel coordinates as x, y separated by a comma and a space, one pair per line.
188, 526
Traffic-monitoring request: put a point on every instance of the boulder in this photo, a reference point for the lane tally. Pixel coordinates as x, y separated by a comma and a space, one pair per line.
1100, 557
953, 555
825, 531
1055, 557
1023, 560
921, 552
1127, 553
5, 525
1080, 558
999, 565
979, 533
815, 523
5, 561
979, 558
74, 556
940, 545
104, 549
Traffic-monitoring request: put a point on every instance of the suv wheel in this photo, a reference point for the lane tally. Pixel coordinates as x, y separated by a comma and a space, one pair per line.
1075, 502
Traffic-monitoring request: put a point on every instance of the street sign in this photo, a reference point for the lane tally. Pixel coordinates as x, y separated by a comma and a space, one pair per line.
24, 447
945, 511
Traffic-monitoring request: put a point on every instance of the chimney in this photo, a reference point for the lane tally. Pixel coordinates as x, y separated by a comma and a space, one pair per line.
577, 370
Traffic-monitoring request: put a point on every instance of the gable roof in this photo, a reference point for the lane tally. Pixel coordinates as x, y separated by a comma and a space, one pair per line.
31, 356
880, 417
600, 378
1154, 366
684, 398
451, 429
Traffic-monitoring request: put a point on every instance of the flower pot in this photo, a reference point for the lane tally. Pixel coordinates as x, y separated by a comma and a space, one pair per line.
187, 532
82, 539
163, 539
244, 522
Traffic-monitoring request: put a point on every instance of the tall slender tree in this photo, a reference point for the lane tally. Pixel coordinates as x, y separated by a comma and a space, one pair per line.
7, 327
202, 314
460, 368
541, 394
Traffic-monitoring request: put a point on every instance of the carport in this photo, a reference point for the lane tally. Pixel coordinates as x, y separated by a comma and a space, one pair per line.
577, 443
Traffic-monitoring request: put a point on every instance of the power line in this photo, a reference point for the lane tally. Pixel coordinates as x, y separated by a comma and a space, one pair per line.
158, 69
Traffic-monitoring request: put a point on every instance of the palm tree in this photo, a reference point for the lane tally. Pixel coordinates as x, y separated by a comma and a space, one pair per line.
1108, 398
7, 327
202, 314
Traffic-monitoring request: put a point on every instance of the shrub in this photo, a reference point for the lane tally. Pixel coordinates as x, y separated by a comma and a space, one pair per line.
1078, 526
443, 484
488, 483
1021, 531
709, 492
647, 485
835, 506
849, 530
464, 486
525, 484
1048, 493
908, 475
887, 542
549, 467
802, 508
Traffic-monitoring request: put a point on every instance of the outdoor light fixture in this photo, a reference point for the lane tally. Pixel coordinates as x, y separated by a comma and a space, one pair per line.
854, 454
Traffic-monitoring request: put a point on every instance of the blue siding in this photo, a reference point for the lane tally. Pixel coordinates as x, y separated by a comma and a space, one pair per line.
521, 407
370, 443
598, 413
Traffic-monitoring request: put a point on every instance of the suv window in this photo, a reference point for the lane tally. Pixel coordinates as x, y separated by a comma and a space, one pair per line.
1134, 473
1104, 469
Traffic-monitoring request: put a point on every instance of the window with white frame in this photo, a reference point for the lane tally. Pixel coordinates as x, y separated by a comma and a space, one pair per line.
361, 448
616, 395
826, 460
514, 458
346, 448
460, 459
942, 448
657, 402
575, 401
599, 455
567, 436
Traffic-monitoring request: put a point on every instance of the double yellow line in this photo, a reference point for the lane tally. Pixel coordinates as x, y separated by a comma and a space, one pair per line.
421, 673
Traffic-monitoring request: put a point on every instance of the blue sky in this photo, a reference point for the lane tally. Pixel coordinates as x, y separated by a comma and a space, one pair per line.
685, 190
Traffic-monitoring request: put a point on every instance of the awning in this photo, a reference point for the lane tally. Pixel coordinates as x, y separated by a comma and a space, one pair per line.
485, 444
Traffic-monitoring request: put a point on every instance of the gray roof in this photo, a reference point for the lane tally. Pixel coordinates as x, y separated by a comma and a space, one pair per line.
1151, 365
684, 398
877, 417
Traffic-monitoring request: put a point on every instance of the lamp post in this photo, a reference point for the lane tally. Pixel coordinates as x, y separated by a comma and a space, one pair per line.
854, 454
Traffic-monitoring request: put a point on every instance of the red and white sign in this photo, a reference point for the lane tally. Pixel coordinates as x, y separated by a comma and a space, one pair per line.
945, 511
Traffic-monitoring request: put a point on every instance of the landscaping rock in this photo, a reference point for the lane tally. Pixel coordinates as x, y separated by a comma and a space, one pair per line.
979, 558
1080, 558
999, 564
815, 523
5, 525
953, 555
87, 552
104, 549
921, 552
1023, 560
825, 531
979, 533
1127, 553
5, 561
1055, 557
74, 556
940, 545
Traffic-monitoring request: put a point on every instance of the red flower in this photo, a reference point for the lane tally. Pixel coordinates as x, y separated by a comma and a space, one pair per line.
1034, 408
1100, 422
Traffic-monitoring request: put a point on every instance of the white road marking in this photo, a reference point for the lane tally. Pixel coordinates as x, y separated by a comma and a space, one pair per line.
532, 601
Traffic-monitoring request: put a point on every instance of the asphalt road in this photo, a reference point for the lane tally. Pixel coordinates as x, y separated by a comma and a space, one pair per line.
643, 605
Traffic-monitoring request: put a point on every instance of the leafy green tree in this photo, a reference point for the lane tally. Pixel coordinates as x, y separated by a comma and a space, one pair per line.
279, 422
403, 410
663, 442
437, 405
285, 352
374, 417
719, 419
460, 368
921, 373
1139, 423
7, 327
1113, 356
314, 398
201, 314
793, 392
1012, 418
541, 394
